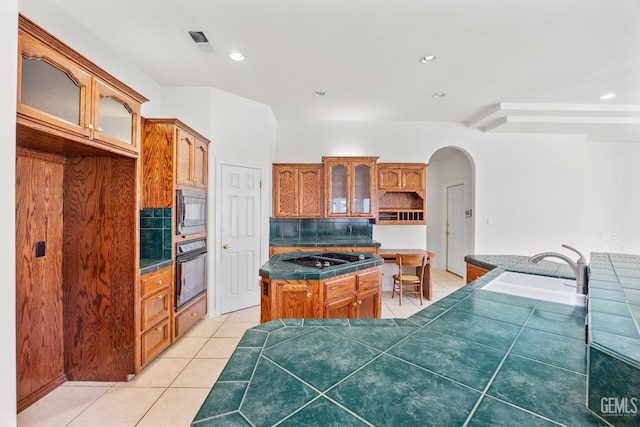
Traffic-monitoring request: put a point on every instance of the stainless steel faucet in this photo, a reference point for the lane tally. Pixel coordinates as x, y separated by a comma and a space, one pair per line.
580, 267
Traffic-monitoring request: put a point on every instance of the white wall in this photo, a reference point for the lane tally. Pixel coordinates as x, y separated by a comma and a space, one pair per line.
613, 197
530, 190
8, 53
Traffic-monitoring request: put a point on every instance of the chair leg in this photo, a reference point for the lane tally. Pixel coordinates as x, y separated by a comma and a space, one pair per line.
400, 293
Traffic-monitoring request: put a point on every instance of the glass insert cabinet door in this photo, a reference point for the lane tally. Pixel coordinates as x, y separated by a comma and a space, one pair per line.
351, 186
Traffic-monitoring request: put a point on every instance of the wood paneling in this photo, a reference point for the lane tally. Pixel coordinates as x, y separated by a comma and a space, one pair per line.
473, 272
100, 240
39, 347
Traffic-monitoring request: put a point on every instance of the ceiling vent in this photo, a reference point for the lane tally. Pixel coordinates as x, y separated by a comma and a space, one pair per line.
202, 41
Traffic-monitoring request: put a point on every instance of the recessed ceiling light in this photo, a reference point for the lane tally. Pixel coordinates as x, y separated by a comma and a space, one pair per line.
319, 93
236, 56
608, 96
427, 58
439, 95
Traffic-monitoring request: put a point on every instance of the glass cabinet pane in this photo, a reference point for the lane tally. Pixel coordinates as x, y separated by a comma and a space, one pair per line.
115, 119
50, 90
362, 184
338, 189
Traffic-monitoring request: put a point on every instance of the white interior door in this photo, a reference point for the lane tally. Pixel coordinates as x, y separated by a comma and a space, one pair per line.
455, 229
238, 285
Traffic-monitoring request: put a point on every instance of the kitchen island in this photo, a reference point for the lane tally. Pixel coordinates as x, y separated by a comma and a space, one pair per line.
472, 358
321, 285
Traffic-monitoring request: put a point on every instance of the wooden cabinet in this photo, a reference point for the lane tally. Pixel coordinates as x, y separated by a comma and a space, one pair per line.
473, 272
297, 190
191, 159
350, 187
351, 295
65, 96
190, 315
402, 193
155, 308
168, 145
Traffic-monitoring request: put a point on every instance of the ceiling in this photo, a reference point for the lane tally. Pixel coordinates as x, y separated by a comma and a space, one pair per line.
503, 65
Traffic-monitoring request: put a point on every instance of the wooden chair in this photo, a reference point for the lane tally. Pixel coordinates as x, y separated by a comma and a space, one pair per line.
412, 282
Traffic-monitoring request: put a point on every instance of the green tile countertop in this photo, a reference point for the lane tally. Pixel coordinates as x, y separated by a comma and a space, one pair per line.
278, 267
355, 242
149, 265
472, 358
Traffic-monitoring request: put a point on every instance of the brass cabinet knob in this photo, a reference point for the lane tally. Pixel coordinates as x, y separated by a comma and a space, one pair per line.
99, 129
159, 281
308, 294
225, 246
355, 304
90, 126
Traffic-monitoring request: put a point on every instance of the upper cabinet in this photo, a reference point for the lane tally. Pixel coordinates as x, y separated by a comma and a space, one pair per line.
350, 186
169, 145
402, 193
402, 176
191, 161
297, 190
64, 95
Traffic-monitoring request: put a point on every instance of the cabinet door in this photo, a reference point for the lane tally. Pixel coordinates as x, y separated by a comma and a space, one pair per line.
389, 178
344, 307
116, 117
369, 304
413, 178
295, 300
285, 197
338, 188
362, 189
200, 164
52, 90
310, 191
185, 146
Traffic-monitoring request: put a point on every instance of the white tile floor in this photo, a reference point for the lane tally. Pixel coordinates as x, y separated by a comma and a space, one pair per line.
171, 389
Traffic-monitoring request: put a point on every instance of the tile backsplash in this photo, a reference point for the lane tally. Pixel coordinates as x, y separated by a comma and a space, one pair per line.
320, 228
155, 233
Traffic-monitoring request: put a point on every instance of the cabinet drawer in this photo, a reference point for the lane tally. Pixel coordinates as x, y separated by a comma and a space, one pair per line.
154, 341
368, 280
151, 282
339, 286
154, 308
190, 316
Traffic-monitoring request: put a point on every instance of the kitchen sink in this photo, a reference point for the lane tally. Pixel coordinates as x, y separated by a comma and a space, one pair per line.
543, 288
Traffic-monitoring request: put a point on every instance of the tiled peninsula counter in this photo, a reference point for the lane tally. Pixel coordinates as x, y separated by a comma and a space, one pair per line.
472, 358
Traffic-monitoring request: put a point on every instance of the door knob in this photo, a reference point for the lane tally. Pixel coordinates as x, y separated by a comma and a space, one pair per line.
225, 246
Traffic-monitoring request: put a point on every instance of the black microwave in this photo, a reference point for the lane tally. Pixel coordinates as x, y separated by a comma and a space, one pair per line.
191, 212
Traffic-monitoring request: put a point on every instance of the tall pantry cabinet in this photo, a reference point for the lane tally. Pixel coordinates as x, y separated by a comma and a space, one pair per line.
174, 156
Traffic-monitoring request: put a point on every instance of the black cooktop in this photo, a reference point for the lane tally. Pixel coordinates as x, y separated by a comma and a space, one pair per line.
329, 259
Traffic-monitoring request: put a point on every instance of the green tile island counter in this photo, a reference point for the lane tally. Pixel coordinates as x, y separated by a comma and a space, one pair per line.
472, 358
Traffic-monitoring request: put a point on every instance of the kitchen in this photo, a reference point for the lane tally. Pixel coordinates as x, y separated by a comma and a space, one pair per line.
538, 214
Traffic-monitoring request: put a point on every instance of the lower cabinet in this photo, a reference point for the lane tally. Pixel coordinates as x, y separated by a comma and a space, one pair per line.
188, 316
473, 272
352, 295
155, 307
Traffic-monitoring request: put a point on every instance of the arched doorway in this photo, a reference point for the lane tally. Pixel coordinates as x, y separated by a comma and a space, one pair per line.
450, 208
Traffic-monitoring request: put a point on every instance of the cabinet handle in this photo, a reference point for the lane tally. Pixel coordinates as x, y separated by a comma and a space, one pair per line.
159, 328
160, 296
194, 314
195, 180
355, 304
99, 129
90, 126
359, 302
159, 281
308, 294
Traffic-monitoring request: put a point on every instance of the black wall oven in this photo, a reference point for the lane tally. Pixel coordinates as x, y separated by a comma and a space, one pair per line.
191, 212
191, 270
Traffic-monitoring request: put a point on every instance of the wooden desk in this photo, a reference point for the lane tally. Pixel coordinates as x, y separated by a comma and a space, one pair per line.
389, 255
